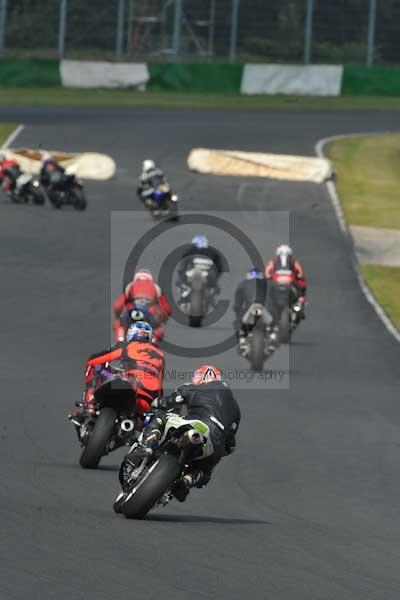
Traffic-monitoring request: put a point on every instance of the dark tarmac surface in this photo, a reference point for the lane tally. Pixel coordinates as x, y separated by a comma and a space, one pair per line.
308, 506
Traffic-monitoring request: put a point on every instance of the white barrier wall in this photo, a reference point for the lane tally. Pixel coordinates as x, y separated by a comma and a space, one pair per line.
313, 80
85, 74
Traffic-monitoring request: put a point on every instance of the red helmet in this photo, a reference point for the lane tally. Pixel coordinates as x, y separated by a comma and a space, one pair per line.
143, 274
205, 374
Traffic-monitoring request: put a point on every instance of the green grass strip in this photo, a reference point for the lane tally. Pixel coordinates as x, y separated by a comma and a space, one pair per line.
6, 129
374, 81
59, 96
384, 283
368, 179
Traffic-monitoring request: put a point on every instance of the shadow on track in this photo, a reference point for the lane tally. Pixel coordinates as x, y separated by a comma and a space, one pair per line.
205, 519
75, 466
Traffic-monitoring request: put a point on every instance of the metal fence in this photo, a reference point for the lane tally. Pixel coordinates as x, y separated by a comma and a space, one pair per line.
296, 31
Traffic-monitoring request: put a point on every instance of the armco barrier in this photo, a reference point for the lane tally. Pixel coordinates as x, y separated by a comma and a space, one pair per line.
20, 72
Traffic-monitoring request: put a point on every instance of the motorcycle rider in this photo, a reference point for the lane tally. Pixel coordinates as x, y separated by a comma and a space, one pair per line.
206, 398
204, 256
150, 178
283, 262
49, 168
142, 362
9, 172
253, 289
145, 296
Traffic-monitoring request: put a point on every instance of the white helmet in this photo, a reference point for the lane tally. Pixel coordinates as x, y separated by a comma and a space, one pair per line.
143, 274
285, 250
46, 157
148, 165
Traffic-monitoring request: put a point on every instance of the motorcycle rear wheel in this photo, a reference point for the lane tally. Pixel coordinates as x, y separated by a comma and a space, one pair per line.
257, 347
38, 196
96, 446
196, 308
284, 326
162, 475
80, 202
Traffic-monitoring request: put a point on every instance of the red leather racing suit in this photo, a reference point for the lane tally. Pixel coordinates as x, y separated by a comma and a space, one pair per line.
144, 366
141, 294
274, 269
9, 172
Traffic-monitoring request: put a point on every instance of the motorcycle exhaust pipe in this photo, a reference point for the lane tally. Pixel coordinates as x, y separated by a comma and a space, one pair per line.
194, 437
127, 425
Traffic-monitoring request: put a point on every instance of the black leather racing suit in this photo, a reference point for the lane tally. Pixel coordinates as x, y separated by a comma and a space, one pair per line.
214, 404
208, 259
50, 172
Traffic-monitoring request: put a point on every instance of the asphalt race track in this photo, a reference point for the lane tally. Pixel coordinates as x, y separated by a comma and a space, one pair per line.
308, 507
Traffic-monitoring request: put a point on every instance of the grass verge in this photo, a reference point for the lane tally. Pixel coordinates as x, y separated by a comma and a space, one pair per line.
5, 130
59, 96
384, 283
368, 179
368, 184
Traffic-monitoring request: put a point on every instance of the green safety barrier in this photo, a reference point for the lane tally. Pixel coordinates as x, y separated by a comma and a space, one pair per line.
35, 71
373, 81
199, 77
195, 77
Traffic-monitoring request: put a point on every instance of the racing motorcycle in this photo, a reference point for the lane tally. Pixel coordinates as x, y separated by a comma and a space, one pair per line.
286, 300
27, 189
197, 295
163, 202
151, 484
65, 189
112, 423
137, 313
258, 338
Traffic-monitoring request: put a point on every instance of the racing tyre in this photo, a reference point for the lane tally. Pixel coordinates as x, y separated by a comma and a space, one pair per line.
80, 202
38, 195
155, 482
96, 446
196, 308
118, 503
257, 346
284, 327
195, 321
173, 213
55, 200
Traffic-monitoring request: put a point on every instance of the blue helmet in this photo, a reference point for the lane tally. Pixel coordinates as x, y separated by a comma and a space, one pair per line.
200, 241
254, 273
140, 332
